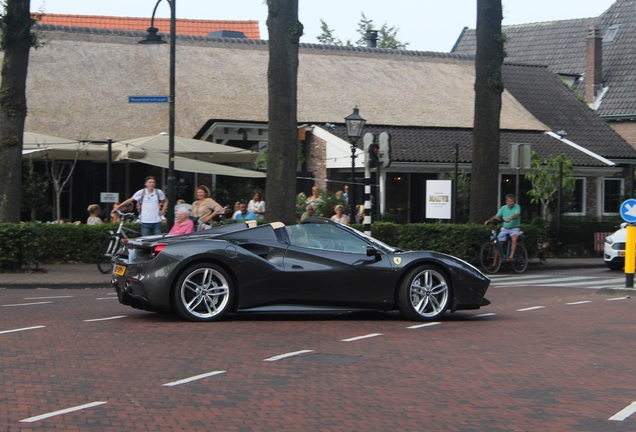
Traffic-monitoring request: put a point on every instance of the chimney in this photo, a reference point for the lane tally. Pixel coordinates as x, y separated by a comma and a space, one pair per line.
372, 38
593, 64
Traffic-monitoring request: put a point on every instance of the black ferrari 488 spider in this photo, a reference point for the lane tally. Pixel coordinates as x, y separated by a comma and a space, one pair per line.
204, 275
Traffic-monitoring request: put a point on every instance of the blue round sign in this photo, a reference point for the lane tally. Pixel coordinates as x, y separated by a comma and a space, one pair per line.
628, 210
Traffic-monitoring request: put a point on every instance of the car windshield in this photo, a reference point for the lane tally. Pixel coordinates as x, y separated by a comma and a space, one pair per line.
380, 245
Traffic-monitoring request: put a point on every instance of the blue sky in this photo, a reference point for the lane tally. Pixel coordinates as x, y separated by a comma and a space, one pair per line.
429, 25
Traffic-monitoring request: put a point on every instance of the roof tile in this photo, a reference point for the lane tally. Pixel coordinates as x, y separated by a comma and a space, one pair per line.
184, 26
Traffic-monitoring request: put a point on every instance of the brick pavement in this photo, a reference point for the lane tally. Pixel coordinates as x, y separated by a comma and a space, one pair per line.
562, 367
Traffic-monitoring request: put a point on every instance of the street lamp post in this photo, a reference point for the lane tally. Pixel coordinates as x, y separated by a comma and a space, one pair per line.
355, 124
152, 39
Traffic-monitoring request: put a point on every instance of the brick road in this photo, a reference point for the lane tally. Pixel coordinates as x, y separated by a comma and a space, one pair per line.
561, 367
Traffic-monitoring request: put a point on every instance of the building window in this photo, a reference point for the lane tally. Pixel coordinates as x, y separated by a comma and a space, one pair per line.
574, 203
611, 32
612, 192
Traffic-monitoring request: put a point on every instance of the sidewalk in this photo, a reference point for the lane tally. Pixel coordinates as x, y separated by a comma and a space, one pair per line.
81, 276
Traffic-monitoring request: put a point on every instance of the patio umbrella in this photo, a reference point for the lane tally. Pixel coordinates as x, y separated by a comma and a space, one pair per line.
40, 147
188, 148
196, 166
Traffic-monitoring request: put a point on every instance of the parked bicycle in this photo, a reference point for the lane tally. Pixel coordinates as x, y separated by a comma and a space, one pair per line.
111, 245
492, 254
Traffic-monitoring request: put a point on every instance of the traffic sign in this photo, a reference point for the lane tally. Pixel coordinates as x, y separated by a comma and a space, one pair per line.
628, 210
148, 99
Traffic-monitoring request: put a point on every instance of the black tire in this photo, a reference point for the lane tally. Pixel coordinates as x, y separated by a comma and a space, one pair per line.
424, 294
487, 258
105, 254
203, 292
613, 265
520, 261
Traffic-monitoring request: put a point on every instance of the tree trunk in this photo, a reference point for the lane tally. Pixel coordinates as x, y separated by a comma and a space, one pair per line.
488, 89
282, 78
16, 42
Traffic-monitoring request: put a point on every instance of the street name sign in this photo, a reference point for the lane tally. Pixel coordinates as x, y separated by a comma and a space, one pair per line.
148, 99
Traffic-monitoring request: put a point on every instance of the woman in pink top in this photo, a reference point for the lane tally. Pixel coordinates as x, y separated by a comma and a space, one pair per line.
183, 224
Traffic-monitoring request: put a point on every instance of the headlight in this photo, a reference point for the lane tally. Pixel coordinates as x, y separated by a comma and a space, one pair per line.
609, 240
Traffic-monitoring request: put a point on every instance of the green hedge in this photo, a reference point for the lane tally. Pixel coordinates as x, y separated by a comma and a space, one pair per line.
31, 244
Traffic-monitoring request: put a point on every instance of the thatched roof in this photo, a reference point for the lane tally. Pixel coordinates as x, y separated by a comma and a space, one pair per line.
80, 80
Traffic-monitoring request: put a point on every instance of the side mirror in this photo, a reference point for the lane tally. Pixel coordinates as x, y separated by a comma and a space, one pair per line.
373, 252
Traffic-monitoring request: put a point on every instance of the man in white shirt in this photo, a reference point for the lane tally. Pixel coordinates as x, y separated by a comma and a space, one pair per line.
153, 203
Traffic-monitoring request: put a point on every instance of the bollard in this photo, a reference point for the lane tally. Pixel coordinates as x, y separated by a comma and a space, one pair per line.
630, 255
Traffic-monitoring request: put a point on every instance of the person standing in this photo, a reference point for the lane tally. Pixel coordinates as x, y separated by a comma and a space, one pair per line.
257, 206
243, 213
510, 214
205, 208
152, 206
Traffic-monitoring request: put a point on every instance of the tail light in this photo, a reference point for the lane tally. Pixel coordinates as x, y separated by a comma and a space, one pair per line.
156, 249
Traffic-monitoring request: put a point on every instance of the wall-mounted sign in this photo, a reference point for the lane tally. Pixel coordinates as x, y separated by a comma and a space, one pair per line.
438, 199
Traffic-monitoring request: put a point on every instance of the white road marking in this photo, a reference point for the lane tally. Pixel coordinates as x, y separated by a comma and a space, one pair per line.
111, 294
42, 298
551, 281
624, 413
22, 329
484, 315
579, 302
530, 308
64, 411
106, 298
617, 298
424, 325
194, 378
361, 337
105, 319
290, 354
26, 304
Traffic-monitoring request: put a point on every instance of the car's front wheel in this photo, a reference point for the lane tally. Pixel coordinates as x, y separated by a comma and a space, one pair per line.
204, 292
612, 265
424, 294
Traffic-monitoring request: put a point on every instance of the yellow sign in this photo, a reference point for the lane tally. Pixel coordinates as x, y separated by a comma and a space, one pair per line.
397, 261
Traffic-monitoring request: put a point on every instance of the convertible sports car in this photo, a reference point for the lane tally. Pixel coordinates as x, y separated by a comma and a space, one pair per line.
204, 275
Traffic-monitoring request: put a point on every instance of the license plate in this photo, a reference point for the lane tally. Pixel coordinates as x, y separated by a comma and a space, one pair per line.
622, 254
119, 270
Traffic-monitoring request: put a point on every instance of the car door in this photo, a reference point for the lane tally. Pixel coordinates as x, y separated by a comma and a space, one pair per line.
328, 265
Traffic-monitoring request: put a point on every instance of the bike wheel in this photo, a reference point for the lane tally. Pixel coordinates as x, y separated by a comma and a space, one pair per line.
105, 254
520, 261
487, 258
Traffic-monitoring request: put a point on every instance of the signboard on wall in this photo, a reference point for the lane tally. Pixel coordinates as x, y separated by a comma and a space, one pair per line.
438, 199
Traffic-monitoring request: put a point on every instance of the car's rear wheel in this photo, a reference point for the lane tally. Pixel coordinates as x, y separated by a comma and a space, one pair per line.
424, 294
204, 292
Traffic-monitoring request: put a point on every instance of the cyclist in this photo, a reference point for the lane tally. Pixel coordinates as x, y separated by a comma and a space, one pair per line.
511, 216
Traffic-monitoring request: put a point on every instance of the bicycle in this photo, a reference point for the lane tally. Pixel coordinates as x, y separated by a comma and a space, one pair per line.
111, 245
491, 261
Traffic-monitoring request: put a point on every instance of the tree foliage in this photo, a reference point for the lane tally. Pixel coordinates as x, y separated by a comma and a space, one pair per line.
545, 180
35, 188
387, 35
